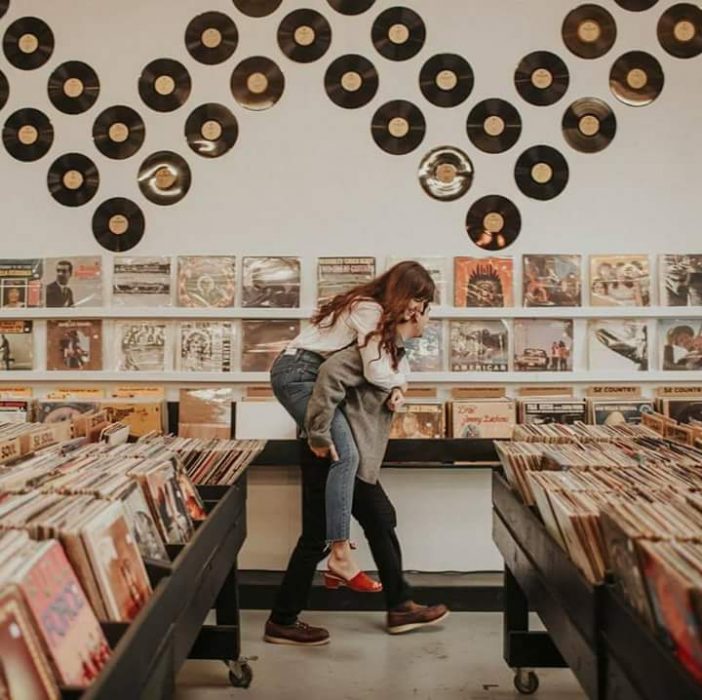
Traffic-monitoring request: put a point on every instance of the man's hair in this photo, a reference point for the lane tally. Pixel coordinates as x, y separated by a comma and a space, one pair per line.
65, 263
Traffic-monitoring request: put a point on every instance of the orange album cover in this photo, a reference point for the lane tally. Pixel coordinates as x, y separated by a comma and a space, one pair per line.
483, 282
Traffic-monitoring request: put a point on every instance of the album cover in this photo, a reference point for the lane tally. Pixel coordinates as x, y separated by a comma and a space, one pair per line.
543, 345
426, 354
205, 413
14, 410
616, 412
545, 411
680, 280
16, 345
339, 275
74, 345
681, 343
263, 341
618, 344
205, 346
620, 280
73, 282
687, 410
419, 421
206, 281
551, 280
437, 267
143, 525
142, 417
58, 411
141, 281
270, 282
479, 346
483, 418
141, 346
24, 669
483, 282
20, 283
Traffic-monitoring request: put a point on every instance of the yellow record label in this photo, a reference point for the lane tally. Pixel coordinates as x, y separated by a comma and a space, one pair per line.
165, 178
542, 78
211, 38
589, 31
398, 33
164, 85
398, 127
211, 130
28, 43
28, 135
684, 31
118, 132
446, 173
73, 87
494, 125
304, 35
494, 222
542, 173
73, 179
446, 80
118, 224
637, 79
351, 81
589, 125
257, 83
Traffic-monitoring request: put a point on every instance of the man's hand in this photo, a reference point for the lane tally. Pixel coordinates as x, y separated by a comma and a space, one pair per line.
395, 400
326, 451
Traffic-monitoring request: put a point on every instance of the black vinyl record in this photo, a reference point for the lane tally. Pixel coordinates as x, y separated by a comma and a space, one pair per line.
636, 5
589, 125
351, 81
589, 31
4, 90
636, 78
304, 36
74, 87
446, 173
118, 225
398, 33
680, 30
165, 85
211, 130
446, 80
4, 5
541, 172
257, 8
257, 83
494, 126
28, 135
28, 43
211, 38
493, 222
542, 78
119, 132
164, 178
398, 127
351, 7
73, 180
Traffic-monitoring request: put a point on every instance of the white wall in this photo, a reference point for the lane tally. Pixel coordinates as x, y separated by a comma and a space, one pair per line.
306, 178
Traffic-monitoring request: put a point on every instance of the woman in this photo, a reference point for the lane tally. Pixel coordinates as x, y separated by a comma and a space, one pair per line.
367, 315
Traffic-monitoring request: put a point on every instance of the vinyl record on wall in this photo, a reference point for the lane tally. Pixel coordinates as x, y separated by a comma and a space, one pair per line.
680, 30
636, 5
446, 80
211, 130
351, 81
589, 31
398, 127
541, 173
119, 132
73, 180
165, 85
28, 43
211, 38
257, 83
351, 7
542, 78
636, 78
164, 178
494, 126
589, 125
4, 5
118, 225
493, 222
4, 90
304, 36
74, 87
446, 173
398, 33
257, 8
28, 135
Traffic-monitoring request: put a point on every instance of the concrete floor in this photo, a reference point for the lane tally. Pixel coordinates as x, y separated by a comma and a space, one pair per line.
461, 660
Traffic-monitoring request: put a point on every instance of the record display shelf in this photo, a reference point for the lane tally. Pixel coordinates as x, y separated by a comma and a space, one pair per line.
148, 652
589, 628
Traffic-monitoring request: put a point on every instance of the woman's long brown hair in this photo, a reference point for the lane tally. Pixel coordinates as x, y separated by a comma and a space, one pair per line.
393, 290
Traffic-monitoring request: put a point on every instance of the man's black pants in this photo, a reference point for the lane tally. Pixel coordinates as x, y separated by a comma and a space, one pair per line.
376, 515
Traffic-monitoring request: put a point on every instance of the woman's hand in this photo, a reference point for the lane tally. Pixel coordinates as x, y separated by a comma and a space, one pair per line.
395, 400
325, 451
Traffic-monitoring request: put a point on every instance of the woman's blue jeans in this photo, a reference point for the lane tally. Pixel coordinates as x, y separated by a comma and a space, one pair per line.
292, 378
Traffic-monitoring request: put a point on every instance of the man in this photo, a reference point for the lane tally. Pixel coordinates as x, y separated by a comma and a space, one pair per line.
58, 293
371, 508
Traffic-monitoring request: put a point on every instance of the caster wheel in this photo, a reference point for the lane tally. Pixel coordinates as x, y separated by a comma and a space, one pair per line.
526, 682
240, 674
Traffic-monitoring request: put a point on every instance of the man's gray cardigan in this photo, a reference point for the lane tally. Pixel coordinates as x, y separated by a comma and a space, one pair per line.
341, 384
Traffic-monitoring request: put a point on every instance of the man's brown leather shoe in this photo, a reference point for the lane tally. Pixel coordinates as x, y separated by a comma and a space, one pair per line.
411, 616
298, 634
